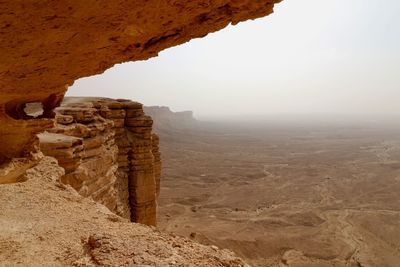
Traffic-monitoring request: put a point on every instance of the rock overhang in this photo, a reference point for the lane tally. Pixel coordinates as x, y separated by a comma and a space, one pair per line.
45, 46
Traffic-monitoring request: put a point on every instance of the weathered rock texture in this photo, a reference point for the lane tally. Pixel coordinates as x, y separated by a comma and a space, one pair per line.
109, 153
47, 45
44, 223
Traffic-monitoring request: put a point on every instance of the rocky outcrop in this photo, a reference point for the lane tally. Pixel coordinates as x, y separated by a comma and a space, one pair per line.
46, 46
45, 223
109, 153
164, 118
157, 161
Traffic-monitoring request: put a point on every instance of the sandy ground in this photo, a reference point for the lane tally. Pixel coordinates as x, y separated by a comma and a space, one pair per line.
45, 223
305, 195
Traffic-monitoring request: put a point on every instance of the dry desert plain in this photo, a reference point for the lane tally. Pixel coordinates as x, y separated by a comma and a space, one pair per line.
288, 192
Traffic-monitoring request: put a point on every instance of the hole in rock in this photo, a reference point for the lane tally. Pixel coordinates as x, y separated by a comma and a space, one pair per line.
34, 109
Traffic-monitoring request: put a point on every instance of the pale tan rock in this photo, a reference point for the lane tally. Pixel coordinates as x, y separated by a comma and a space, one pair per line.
155, 140
46, 224
120, 171
113, 113
133, 113
13, 171
94, 142
51, 141
75, 178
79, 114
119, 123
142, 121
164, 118
64, 119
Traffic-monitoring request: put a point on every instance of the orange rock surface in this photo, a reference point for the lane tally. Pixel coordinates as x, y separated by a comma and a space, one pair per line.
46, 46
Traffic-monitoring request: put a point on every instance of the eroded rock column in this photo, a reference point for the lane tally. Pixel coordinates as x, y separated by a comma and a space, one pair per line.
109, 153
157, 161
138, 168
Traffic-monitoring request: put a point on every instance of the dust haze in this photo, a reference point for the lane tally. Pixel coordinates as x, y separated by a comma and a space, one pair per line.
285, 192
318, 57
294, 159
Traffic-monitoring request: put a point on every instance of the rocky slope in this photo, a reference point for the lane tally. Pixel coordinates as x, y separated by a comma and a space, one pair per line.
45, 223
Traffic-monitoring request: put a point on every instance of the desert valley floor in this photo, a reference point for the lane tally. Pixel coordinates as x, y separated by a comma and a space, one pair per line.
310, 194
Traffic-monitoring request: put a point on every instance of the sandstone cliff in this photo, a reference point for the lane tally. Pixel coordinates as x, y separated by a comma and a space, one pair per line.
47, 45
104, 147
109, 153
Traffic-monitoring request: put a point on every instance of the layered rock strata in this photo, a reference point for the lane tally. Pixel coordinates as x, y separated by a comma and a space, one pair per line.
157, 161
109, 153
45, 46
83, 143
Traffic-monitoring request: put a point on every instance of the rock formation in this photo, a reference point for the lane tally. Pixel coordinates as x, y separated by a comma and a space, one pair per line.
164, 118
45, 223
109, 153
46, 46
104, 146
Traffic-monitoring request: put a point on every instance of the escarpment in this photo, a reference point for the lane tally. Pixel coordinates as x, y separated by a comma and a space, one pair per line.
164, 118
106, 147
46, 46
109, 153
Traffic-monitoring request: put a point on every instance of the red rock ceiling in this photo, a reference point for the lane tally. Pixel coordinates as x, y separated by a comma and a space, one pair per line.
46, 45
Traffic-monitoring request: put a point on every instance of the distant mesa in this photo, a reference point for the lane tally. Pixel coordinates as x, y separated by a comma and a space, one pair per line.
165, 119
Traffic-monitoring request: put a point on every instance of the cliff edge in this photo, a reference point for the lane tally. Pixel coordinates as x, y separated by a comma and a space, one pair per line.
46, 223
46, 46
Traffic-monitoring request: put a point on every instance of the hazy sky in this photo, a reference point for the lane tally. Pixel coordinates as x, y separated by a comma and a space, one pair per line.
310, 56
